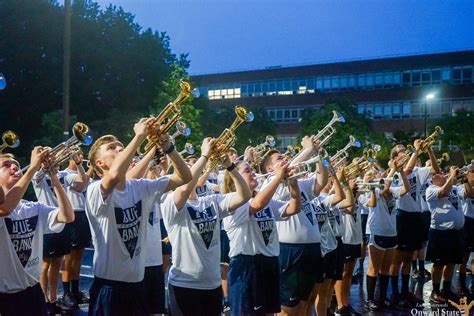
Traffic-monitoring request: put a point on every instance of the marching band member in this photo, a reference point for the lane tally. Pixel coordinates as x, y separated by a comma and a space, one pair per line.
117, 210
254, 274
193, 227
446, 245
22, 225
299, 237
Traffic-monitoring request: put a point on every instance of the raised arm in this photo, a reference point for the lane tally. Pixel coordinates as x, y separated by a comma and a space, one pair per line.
310, 147
446, 188
321, 178
469, 185
138, 171
348, 203
387, 184
412, 161
294, 206
66, 212
338, 192
242, 192
82, 179
181, 173
373, 200
434, 162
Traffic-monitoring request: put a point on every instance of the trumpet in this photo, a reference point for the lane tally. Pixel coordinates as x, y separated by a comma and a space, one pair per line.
342, 154
227, 138
430, 140
188, 149
181, 129
444, 157
167, 117
363, 186
302, 168
361, 164
328, 131
10, 139
462, 172
63, 152
263, 148
402, 158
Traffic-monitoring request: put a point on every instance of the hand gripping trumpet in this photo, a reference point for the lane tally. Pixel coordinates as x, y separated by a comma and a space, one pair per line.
188, 149
65, 150
462, 172
227, 138
167, 118
328, 131
261, 149
10, 139
402, 158
430, 140
302, 168
342, 154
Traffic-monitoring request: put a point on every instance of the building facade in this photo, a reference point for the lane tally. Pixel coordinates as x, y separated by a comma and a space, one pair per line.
391, 91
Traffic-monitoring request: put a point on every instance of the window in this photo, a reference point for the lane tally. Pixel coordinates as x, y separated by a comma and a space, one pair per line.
387, 110
434, 108
406, 109
378, 111
361, 81
335, 83
344, 82
319, 83
370, 80
396, 79
271, 87
310, 84
279, 85
426, 77
457, 75
327, 83
294, 85
286, 85
360, 109
264, 87
446, 74
388, 79
416, 78
467, 74
406, 78
369, 110
352, 81
379, 80
416, 109
435, 76
396, 110
445, 107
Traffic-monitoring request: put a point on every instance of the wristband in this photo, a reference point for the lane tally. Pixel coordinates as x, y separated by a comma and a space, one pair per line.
169, 150
207, 158
231, 167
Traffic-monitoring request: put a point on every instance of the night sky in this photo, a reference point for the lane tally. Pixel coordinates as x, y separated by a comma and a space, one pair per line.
228, 35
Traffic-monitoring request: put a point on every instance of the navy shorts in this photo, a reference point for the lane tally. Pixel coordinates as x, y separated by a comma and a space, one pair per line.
352, 252
165, 246
426, 222
190, 302
254, 285
300, 268
29, 301
154, 283
468, 232
333, 262
445, 246
225, 247
57, 244
79, 231
110, 298
383, 242
363, 221
409, 230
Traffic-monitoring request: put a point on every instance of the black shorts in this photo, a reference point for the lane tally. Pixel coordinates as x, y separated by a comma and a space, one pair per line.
185, 301
363, 221
254, 285
445, 246
57, 245
110, 298
426, 222
383, 242
165, 246
409, 230
225, 247
300, 270
79, 231
468, 232
154, 284
333, 262
30, 301
352, 252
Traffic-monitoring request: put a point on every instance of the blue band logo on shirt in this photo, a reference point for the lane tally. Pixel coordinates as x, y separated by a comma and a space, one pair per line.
266, 223
412, 182
21, 234
307, 208
453, 197
50, 185
205, 222
128, 225
321, 214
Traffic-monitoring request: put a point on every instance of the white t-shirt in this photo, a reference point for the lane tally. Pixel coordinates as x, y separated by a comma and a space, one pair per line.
352, 227
300, 228
256, 234
382, 218
44, 189
206, 189
444, 215
467, 204
78, 199
118, 227
412, 201
334, 216
328, 239
194, 233
21, 244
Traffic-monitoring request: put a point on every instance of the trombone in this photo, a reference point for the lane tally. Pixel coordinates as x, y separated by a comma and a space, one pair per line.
10, 139
341, 156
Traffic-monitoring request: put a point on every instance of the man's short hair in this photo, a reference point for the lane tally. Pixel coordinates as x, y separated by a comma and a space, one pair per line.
266, 159
95, 149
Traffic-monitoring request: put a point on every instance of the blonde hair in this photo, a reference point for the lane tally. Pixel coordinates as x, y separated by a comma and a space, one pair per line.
95, 149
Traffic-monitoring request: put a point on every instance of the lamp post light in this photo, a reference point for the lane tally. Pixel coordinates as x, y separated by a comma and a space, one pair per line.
428, 98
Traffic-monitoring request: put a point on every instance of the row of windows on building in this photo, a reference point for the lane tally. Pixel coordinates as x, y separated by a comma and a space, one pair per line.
382, 110
382, 80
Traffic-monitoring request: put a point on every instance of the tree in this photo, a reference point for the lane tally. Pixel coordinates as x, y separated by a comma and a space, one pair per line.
457, 132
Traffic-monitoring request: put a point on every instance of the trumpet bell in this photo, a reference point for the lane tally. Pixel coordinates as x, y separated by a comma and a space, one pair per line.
250, 117
270, 140
357, 143
187, 132
10, 139
195, 93
88, 140
3, 82
339, 116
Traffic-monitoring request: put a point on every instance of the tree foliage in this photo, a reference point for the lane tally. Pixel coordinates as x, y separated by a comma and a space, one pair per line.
457, 131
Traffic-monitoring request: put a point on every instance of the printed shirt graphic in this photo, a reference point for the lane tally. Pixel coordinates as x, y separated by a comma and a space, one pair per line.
352, 227
78, 199
195, 238
381, 220
467, 204
443, 213
321, 204
44, 189
118, 227
257, 234
21, 244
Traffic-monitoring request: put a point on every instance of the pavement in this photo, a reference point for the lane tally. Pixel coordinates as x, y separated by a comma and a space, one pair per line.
421, 288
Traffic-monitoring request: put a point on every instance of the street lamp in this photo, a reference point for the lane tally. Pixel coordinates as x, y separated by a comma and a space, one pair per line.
428, 97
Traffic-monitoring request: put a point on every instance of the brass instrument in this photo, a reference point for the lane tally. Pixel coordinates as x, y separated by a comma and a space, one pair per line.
444, 157
328, 131
363, 186
63, 152
227, 138
181, 129
188, 149
430, 140
361, 164
167, 117
10, 139
402, 158
302, 168
462, 172
261, 149
341, 155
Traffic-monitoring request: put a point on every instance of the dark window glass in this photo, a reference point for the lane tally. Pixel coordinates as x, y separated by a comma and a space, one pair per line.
264, 86
457, 75
287, 85
258, 87
352, 81
279, 85
361, 81
426, 77
446, 74
467, 75
310, 84
436, 75
416, 78
396, 78
251, 88
271, 86
360, 109
406, 79
287, 113
294, 85
243, 88
370, 80
378, 80
294, 113
279, 114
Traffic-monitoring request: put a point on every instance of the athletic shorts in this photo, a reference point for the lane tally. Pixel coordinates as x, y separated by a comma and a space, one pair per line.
154, 284
383, 242
57, 244
29, 301
365, 236
79, 231
352, 252
165, 247
254, 285
468, 231
333, 262
426, 222
445, 246
185, 301
300, 269
409, 230
225, 247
